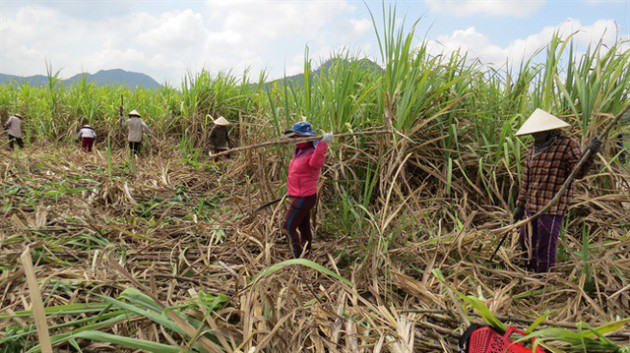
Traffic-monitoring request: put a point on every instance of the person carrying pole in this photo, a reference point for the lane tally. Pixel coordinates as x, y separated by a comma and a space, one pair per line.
548, 164
304, 170
87, 136
220, 138
136, 127
14, 129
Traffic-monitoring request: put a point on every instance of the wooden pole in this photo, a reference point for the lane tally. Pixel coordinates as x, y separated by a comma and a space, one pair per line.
505, 230
288, 141
36, 302
267, 204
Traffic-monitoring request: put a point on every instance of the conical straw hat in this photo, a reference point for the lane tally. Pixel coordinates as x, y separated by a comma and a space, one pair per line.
221, 121
134, 113
540, 121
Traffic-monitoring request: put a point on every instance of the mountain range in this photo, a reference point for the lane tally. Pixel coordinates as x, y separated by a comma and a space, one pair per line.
119, 77
115, 77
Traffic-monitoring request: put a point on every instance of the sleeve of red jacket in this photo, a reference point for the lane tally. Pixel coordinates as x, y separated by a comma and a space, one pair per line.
318, 157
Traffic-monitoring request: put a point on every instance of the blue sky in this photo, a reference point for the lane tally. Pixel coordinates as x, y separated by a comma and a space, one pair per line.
167, 39
505, 28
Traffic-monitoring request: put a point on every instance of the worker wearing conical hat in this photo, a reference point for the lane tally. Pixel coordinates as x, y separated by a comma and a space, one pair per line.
546, 167
136, 127
220, 137
86, 136
13, 127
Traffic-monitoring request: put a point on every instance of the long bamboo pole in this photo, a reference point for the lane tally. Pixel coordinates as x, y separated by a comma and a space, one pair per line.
505, 230
294, 140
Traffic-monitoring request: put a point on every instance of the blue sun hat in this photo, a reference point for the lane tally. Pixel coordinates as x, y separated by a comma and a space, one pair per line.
303, 128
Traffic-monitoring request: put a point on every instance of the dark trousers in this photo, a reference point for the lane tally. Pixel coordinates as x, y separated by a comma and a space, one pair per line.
539, 239
87, 143
299, 218
135, 147
13, 140
218, 150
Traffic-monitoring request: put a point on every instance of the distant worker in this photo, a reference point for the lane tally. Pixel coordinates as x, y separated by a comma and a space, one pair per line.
304, 170
87, 136
220, 137
136, 127
545, 169
14, 129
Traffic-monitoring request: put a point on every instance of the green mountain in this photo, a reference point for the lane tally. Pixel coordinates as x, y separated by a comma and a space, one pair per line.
330, 63
115, 77
119, 77
37, 80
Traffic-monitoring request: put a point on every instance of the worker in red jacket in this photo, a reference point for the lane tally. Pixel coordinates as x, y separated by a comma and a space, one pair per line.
304, 169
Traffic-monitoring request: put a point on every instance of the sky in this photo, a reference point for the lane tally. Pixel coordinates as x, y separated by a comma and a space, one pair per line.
169, 39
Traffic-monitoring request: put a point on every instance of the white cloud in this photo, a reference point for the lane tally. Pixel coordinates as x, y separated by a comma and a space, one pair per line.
79, 9
468, 40
284, 19
360, 26
480, 45
467, 8
176, 31
231, 35
220, 36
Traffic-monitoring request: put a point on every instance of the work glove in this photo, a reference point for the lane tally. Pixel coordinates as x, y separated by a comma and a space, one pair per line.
519, 212
328, 137
595, 145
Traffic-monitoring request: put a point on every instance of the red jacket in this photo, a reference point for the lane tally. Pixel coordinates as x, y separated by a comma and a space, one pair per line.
304, 170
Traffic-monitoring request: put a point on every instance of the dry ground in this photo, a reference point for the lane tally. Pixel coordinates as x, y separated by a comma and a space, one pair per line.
179, 226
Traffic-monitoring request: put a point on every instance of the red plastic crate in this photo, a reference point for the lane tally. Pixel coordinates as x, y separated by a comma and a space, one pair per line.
486, 340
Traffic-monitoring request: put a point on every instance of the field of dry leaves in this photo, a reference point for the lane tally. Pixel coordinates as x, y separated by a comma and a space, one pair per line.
114, 238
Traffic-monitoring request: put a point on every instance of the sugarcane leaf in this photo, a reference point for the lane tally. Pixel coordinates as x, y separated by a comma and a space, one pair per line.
301, 262
128, 342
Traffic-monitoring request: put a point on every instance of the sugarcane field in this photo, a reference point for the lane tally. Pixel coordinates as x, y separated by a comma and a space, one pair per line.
392, 199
